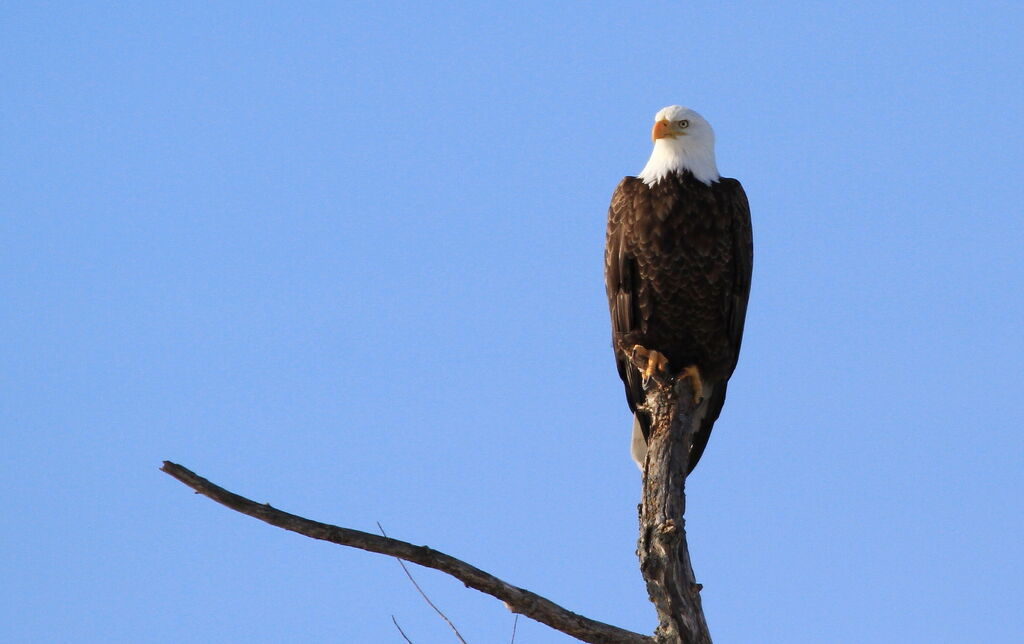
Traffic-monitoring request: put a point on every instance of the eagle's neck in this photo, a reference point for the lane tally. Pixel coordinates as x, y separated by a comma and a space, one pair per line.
670, 155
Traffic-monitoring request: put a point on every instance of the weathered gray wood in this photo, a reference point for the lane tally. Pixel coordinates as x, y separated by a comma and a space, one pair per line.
518, 600
664, 557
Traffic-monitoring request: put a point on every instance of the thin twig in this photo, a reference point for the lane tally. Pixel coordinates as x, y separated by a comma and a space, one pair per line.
518, 600
423, 594
404, 636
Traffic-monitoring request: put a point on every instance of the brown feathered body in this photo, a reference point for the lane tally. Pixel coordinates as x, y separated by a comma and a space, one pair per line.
678, 260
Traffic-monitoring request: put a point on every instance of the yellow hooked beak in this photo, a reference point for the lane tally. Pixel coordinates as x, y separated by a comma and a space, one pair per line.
663, 130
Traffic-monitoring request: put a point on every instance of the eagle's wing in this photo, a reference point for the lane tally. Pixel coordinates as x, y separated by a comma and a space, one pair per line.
622, 284
732, 200
743, 261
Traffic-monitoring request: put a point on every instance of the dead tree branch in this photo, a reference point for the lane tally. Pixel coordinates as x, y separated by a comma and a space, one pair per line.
664, 557
518, 600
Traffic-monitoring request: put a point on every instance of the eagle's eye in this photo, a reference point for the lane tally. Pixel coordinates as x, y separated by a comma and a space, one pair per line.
683, 124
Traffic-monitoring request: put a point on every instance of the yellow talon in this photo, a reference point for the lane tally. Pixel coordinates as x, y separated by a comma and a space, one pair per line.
692, 373
657, 363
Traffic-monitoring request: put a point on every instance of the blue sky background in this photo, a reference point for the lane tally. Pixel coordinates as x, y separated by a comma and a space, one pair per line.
346, 259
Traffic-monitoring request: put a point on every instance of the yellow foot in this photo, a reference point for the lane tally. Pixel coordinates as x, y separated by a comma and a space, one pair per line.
692, 373
656, 363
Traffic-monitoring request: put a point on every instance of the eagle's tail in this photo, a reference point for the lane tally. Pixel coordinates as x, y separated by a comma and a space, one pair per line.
638, 444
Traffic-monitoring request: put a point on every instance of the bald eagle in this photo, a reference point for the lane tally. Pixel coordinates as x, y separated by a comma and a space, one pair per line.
678, 258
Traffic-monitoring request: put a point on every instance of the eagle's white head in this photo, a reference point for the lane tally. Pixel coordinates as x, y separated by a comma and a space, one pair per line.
683, 140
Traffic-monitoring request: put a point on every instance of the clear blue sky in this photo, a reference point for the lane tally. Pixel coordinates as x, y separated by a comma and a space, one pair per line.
347, 260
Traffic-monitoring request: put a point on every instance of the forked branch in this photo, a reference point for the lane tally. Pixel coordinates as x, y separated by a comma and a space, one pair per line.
516, 599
